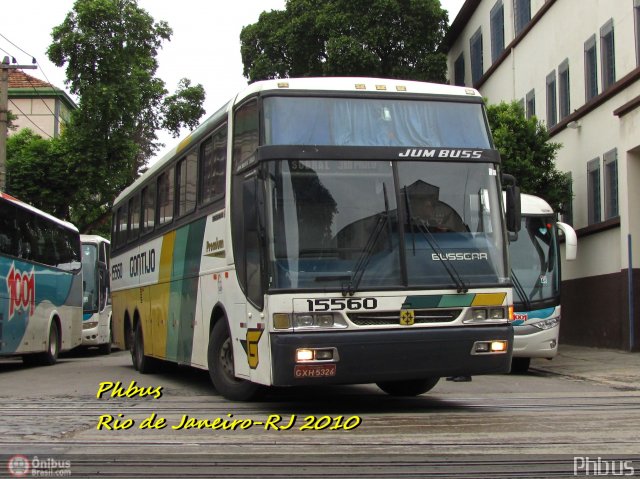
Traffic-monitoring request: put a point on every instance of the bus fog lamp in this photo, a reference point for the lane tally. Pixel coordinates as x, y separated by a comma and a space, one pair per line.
324, 354
303, 355
498, 346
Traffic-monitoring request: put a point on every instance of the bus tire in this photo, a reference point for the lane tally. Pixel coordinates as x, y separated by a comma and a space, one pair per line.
409, 387
50, 356
221, 368
141, 362
520, 365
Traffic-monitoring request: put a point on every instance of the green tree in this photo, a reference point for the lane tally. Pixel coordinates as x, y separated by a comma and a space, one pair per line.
528, 154
384, 38
109, 48
38, 173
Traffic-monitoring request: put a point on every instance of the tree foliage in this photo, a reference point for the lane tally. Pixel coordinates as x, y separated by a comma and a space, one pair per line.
384, 38
528, 154
110, 48
38, 173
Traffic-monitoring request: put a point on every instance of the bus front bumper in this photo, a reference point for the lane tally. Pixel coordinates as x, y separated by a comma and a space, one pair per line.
389, 355
531, 342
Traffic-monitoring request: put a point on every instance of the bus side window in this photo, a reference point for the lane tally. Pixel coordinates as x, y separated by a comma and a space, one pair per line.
148, 208
134, 218
213, 160
165, 197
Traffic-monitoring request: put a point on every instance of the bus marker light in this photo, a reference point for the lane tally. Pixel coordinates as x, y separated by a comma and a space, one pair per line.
281, 321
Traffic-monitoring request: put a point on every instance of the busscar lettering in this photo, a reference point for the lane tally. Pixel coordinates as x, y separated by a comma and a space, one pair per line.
459, 256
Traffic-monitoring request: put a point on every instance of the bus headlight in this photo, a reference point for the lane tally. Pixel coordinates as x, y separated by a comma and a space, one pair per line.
487, 315
89, 324
547, 323
284, 321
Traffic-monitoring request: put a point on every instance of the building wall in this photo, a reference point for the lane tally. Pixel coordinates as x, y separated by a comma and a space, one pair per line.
45, 116
596, 286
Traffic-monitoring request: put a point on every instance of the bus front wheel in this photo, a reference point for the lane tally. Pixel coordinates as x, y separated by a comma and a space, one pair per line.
409, 387
221, 368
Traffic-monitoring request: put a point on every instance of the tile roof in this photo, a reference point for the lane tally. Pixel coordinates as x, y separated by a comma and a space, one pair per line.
19, 79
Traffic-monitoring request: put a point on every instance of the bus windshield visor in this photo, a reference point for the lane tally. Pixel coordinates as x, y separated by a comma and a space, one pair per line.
415, 225
534, 260
373, 122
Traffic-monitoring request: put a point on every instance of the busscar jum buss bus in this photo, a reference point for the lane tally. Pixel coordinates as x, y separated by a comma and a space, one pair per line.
40, 283
535, 268
96, 293
321, 231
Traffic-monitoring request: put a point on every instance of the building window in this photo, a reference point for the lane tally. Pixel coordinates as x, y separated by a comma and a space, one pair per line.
531, 104
607, 55
593, 191
458, 71
475, 45
497, 30
552, 104
522, 14
636, 17
610, 161
563, 89
590, 69
567, 207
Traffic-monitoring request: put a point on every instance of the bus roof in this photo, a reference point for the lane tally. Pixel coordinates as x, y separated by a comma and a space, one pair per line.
357, 85
93, 239
534, 205
35, 210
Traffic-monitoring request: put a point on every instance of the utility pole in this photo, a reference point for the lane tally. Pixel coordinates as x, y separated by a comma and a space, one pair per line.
4, 114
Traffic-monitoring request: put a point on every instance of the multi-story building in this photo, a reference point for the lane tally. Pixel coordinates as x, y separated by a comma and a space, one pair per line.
575, 66
37, 105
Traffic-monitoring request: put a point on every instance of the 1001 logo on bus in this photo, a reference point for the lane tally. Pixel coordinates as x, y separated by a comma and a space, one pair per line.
22, 291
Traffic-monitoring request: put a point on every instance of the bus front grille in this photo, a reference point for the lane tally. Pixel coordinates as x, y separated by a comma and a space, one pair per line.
422, 316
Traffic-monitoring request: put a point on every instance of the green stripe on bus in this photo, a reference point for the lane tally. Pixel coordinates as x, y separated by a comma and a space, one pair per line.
456, 300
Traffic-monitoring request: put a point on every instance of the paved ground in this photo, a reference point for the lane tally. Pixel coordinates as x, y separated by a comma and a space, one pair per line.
618, 369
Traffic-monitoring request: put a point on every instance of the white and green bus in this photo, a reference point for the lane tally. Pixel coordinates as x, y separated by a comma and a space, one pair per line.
40, 283
321, 231
535, 268
96, 293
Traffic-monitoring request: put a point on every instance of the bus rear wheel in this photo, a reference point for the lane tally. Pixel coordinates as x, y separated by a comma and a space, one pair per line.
221, 368
50, 356
141, 362
409, 387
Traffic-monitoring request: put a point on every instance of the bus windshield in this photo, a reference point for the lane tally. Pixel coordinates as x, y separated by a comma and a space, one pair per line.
373, 122
534, 260
90, 294
402, 224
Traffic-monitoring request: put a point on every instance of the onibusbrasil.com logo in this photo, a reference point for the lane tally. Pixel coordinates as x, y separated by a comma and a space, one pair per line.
23, 466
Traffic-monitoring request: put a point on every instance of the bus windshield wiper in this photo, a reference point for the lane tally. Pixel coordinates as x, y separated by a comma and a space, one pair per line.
363, 260
517, 285
423, 228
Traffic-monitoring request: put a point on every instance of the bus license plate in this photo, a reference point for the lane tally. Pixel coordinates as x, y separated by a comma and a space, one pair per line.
301, 371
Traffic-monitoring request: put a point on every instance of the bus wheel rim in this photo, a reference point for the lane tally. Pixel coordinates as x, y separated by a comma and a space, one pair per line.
226, 359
